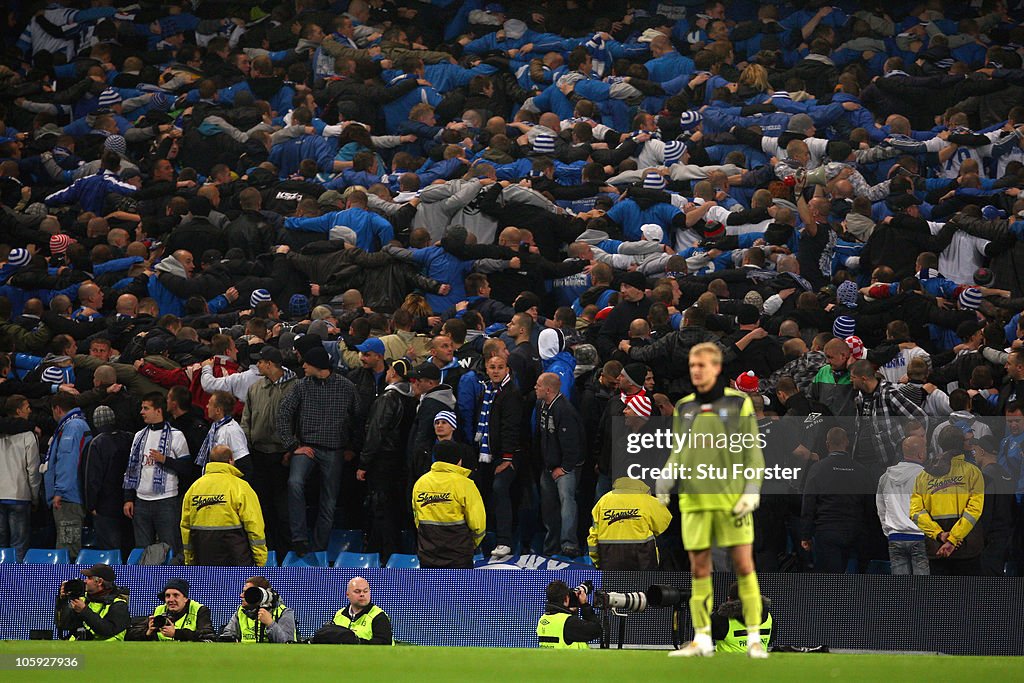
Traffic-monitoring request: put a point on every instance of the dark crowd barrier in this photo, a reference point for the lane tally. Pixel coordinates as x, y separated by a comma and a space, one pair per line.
500, 608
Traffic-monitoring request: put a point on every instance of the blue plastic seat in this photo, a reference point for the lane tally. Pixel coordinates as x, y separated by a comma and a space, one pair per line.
344, 539
317, 559
271, 558
90, 556
8, 556
44, 556
135, 556
399, 561
357, 560
584, 559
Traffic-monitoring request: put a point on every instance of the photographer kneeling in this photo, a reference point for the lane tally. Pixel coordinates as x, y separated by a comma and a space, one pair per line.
94, 609
179, 618
262, 617
560, 628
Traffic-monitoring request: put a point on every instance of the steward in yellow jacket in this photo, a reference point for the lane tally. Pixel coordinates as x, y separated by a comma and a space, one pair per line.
221, 518
448, 511
626, 521
947, 502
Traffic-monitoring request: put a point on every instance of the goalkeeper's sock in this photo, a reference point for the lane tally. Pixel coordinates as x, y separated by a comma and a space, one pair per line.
750, 596
701, 600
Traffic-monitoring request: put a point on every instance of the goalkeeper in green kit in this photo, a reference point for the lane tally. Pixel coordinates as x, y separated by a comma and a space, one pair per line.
716, 432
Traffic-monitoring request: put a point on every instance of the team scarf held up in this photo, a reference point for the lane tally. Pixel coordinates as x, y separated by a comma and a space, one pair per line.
75, 414
133, 474
483, 423
211, 438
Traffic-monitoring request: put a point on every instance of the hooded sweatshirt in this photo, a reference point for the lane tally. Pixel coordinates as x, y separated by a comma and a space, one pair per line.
554, 358
169, 302
893, 501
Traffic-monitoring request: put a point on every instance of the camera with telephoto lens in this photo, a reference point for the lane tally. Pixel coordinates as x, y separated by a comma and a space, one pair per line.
256, 598
662, 595
587, 587
634, 601
74, 589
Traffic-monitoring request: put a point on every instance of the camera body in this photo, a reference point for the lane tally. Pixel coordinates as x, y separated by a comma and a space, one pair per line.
74, 589
587, 587
160, 620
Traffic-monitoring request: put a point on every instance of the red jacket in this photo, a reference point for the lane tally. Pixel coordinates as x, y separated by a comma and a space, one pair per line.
222, 366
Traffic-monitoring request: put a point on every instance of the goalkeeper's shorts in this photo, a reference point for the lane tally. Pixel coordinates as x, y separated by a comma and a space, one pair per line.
704, 528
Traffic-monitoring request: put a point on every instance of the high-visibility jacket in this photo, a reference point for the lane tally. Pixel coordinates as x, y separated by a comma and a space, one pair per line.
251, 628
101, 609
449, 515
950, 502
736, 639
187, 619
550, 633
626, 521
362, 625
221, 500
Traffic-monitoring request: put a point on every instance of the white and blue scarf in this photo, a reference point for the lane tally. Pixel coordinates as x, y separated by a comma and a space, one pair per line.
211, 438
133, 474
491, 391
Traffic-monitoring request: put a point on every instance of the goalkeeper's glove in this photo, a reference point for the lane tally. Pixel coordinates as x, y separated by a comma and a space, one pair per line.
747, 503
664, 498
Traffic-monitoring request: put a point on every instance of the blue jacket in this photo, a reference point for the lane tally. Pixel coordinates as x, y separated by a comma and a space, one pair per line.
630, 217
287, 155
563, 364
668, 67
372, 231
443, 267
168, 301
61, 476
91, 191
398, 111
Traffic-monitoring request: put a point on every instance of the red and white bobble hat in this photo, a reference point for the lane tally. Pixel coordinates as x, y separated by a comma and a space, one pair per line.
748, 382
639, 404
59, 243
857, 349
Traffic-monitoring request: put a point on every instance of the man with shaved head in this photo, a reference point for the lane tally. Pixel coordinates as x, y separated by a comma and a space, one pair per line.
365, 622
907, 551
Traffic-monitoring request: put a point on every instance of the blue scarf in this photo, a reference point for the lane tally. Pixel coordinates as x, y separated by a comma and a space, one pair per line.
73, 414
483, 431
133, 473
211, 438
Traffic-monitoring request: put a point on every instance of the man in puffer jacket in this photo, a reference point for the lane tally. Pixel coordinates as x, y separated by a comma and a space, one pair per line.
907, 552
946, 504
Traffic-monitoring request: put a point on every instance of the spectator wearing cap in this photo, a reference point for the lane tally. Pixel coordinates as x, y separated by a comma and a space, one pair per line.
90, 193
113, 143
369, 377
882, 411
433, 397
446, 429
101, 615
270, 473
298, 307
103, 466
382, 458
556, 359
19, 478
560, 440
316, 423
185, 619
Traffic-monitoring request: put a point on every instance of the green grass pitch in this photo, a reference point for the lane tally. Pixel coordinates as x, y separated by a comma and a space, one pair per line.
112, 663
